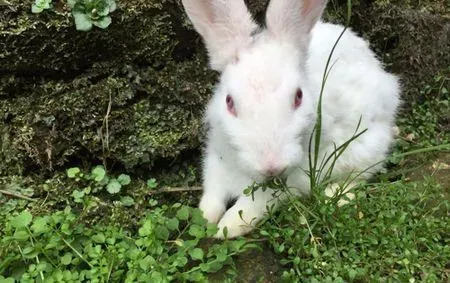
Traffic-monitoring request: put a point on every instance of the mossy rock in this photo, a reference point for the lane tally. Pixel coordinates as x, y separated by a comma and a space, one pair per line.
130, 94
411, 37
132, 118
134, 93
142, 32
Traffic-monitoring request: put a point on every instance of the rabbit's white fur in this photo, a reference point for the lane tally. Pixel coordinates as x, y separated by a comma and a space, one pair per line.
262, 73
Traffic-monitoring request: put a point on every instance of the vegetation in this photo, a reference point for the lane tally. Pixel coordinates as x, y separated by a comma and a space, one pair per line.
395, 229
96, 223
86, 13
68, 245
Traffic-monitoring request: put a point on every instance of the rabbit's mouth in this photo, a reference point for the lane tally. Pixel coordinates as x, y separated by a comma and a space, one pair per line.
261, 167
274, 172
267, 177
275, 183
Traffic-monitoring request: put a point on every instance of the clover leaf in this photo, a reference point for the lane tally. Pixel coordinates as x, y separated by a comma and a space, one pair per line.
72, 172
40, 5
22, 220
82, 21
92, 13
113, 186
98, 172
124, 179
127, 201
152, 184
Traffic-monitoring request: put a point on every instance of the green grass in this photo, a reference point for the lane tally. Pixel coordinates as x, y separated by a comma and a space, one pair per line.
90, 225
41, 243
392, 231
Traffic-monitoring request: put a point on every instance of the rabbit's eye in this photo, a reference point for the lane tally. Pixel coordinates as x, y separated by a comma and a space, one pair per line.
298, 98
230, 105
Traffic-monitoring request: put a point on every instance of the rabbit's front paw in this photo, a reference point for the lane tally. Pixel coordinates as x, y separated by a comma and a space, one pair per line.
239, 223
235, 227
336, 190
212, 209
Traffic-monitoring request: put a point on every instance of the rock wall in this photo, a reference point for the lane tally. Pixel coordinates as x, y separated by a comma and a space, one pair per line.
134, 93
129, 94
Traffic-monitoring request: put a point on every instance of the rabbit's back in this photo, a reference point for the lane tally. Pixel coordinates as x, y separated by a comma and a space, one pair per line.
357, 80
357, 88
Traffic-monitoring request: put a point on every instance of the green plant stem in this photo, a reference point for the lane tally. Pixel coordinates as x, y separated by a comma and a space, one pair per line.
37, 257
443, 147
32, 239
213, 261
405, 154
77, 252
292, 196
317, 131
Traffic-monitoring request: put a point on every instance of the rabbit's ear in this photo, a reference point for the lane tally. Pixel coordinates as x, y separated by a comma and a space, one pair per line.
293, 19
225, 25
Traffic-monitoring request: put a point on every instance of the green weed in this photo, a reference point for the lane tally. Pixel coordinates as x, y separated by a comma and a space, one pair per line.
86, 13
61, 246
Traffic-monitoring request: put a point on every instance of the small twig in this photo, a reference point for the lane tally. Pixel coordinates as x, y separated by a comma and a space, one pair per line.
175, 189
108, 112
257, 240
105, 137
10, 194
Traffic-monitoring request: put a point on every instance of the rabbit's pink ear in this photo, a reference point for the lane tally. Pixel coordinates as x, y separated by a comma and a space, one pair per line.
293, 19
225, 25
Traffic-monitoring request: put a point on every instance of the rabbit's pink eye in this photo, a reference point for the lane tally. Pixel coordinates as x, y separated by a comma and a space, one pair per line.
298, 98
230, 105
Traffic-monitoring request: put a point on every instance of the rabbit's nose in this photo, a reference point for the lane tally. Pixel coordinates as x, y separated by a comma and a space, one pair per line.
273, 170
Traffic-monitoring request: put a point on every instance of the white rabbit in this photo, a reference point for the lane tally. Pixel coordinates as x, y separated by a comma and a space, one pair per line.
264, 108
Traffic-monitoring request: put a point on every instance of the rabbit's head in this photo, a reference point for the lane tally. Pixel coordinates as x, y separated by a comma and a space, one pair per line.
263, 102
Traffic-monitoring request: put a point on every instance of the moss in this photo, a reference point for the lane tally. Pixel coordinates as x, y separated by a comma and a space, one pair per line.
153, 114
424, 5
59, 83
46, 43
411, 42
